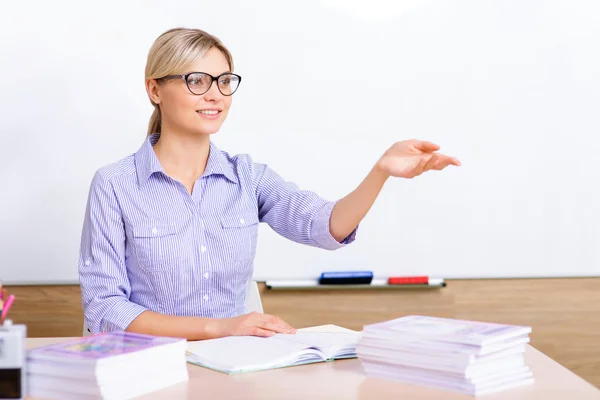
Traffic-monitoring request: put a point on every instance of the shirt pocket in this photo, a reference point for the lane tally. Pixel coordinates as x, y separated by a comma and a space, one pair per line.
159, 247
240, 231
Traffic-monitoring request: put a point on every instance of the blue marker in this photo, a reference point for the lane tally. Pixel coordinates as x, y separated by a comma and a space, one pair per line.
346, 278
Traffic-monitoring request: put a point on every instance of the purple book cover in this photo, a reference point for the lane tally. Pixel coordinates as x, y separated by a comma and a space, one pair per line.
102, 345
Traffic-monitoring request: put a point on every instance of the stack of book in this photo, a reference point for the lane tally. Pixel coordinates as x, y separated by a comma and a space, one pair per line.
474, 358
116, 365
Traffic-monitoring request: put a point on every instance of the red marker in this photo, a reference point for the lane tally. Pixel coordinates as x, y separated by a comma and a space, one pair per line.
408, 280
415, 280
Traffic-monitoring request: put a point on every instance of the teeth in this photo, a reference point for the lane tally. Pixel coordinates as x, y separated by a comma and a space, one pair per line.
208, 112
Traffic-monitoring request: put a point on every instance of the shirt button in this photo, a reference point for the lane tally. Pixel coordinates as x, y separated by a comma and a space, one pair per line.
206, 275
87, 262
203, 249
154, 231
242, 221
205, 297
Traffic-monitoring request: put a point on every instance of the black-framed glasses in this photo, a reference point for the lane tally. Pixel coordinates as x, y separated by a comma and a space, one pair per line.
200, 82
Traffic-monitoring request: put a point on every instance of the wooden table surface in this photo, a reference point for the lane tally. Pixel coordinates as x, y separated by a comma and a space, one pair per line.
344, 379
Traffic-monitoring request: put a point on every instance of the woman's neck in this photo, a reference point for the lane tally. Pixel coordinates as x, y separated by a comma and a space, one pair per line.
183, 157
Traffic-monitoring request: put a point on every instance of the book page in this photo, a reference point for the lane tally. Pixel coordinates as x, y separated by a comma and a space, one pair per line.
328, 342
238, 353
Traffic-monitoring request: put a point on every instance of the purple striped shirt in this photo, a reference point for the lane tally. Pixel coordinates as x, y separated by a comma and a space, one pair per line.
147, 244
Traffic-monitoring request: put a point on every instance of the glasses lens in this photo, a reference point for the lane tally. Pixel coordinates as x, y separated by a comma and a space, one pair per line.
228, 83
199, 83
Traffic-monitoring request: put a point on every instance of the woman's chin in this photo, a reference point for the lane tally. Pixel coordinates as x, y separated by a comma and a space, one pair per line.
203, 130
208, 129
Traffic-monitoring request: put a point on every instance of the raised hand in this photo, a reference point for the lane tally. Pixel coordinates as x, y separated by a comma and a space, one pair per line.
410, 158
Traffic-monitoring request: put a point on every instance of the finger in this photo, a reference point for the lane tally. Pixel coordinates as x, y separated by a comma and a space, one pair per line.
433, 160
444, 161
423, 164
426, 147
275, 324
418, 170
283, 324
274, 327
288, 327
256, 331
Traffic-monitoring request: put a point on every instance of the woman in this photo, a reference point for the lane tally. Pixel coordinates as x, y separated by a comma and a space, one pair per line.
169, 235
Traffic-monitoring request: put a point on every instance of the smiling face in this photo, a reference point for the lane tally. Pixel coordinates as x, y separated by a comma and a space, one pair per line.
186, 113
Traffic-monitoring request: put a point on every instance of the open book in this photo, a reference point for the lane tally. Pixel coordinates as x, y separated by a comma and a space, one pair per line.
237, 354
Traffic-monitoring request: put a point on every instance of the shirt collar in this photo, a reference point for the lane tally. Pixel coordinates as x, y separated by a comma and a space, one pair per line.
219, 164
147, 163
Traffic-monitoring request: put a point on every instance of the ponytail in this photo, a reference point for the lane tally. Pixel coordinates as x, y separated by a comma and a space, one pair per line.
155, 121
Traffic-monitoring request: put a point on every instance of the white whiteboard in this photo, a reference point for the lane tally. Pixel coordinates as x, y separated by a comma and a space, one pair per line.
510, 87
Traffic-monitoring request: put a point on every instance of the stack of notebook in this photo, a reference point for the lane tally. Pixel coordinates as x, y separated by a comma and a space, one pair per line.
116, 365
475, 358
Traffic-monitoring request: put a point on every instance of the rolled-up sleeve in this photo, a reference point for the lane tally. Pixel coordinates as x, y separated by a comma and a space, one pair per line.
299, 215
105, 287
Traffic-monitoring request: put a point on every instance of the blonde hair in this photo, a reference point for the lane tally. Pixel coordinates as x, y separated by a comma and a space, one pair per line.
172, 53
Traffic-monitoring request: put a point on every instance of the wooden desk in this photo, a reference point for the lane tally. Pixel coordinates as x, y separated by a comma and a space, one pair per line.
344, 379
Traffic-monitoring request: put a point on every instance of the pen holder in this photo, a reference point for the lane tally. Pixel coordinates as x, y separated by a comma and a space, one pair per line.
12, 361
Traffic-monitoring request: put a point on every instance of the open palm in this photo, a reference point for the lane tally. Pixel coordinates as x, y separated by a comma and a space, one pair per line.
410, 158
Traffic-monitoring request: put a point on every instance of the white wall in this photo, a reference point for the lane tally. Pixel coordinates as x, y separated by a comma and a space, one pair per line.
509, 87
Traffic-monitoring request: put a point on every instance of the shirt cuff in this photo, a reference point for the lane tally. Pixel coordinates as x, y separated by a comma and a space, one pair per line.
320, 232
120, 316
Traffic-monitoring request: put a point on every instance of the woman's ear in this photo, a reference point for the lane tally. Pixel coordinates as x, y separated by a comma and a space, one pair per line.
152, 87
